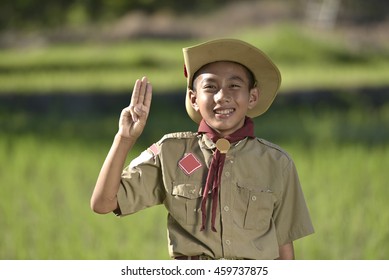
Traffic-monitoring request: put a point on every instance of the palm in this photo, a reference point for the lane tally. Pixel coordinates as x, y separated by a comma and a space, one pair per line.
133, 118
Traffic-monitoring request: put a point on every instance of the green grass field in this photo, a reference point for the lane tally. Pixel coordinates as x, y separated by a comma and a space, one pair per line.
51, 149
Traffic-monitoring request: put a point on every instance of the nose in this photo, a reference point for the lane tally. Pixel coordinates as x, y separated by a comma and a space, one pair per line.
222, 96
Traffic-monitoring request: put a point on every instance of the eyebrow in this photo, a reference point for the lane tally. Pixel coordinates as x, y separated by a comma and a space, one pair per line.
235, 77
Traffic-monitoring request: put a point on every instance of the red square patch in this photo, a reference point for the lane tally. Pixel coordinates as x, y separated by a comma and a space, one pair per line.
154, 149
189, 163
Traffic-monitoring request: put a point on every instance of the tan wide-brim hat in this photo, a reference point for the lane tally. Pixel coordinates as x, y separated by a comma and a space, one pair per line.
266, 74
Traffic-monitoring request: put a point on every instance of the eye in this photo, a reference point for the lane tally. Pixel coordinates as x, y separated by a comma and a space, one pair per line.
209, 87
235, 86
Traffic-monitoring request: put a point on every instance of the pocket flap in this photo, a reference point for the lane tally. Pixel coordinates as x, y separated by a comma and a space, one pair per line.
190, 191
253, 186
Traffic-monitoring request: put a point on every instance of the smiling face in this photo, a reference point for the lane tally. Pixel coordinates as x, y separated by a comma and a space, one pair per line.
222, 94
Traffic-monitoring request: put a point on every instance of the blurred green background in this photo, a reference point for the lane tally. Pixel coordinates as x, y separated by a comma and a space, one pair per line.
67, 69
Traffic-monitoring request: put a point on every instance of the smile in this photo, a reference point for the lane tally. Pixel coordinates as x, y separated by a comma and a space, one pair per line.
224, 111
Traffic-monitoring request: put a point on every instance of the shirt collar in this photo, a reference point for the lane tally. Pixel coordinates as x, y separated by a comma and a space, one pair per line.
207, 143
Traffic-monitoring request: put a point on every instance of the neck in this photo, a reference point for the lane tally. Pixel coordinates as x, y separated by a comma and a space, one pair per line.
247, 130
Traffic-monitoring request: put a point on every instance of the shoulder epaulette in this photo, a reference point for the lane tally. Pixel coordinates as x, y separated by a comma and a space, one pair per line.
178, 135
273, 146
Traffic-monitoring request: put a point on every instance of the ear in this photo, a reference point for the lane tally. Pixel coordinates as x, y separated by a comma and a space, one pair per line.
193, 99
253, 98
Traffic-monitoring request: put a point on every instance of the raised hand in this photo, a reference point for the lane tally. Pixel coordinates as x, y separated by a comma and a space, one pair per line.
133, 118
131, 124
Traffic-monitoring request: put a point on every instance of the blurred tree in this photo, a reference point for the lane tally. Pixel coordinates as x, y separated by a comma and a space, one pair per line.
15, 14
26, 13
325, 13
322, 13
362, 12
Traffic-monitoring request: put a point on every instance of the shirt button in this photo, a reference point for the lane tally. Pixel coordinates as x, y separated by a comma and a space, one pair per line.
227, 174
228, 242
226, 208
253, 198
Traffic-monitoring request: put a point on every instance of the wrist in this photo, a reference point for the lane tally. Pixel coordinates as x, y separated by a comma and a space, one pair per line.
125, 139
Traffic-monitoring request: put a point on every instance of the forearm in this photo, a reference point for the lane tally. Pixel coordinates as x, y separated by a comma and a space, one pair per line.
104, 198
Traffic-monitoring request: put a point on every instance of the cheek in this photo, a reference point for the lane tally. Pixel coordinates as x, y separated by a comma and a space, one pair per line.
204, 105
243, 99
204, 99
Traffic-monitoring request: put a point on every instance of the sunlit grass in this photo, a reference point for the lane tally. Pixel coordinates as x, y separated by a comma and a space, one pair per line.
46, 188
90, 81
334, 77
346, 190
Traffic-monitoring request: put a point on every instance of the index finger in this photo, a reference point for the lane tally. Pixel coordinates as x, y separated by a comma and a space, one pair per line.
135, 93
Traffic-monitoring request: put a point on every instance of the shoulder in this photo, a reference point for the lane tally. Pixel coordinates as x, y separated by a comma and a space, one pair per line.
271, 147
278, 154
174, 143
178, 136
167, 142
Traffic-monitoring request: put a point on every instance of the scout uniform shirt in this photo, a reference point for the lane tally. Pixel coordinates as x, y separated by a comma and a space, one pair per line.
261, 204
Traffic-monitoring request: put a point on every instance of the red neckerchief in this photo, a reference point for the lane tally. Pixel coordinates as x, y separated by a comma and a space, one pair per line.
217, 163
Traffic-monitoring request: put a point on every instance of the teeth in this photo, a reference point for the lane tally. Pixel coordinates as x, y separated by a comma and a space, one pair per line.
224, 112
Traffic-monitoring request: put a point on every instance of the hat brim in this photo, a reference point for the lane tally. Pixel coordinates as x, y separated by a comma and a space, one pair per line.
266, 74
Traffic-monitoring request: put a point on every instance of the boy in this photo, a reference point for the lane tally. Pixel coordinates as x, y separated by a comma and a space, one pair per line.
229, 195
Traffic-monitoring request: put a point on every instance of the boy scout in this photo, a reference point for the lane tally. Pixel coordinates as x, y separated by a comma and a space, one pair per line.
229, 195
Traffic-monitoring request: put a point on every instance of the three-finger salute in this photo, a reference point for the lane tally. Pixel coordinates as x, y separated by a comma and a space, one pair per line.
133, 118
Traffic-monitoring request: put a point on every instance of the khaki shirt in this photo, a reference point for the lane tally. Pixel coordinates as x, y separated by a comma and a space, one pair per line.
261, 204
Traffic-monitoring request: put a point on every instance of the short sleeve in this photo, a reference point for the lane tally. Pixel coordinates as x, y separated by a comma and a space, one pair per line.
291, 215
141, 184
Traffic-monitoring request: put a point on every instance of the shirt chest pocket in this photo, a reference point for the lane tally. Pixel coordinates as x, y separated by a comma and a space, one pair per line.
253, 206
186, 201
